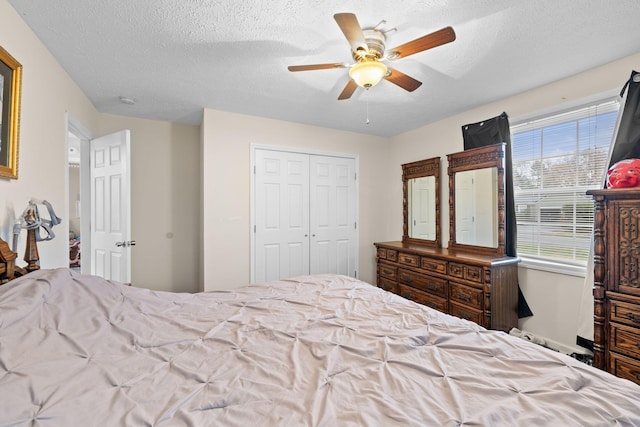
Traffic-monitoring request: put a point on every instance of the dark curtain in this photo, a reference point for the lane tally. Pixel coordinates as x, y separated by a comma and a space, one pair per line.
627, 140
495, 131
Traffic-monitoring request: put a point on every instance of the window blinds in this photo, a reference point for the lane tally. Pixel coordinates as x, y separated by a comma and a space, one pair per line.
556, 159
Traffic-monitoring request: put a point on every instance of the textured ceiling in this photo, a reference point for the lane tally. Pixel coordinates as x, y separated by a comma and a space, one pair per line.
175, 58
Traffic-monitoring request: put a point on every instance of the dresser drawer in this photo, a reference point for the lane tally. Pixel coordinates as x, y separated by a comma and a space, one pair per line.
466, 295
423, 298
387, 270
464, 312
434, 265
456, 270
423, 282
387, 284
625, 313
624, 367
381, 253
409, 259
473, 273
625, 339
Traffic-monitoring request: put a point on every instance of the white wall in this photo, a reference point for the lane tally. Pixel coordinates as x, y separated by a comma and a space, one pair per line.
554, 298
226, 183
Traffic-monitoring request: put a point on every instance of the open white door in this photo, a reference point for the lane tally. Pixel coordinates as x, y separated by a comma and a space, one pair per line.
465, 208
110, 207
422, 225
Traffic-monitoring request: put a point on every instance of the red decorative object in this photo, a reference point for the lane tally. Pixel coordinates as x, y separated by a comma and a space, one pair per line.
624, 174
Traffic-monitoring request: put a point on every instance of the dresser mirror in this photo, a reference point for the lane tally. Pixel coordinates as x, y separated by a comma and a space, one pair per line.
421, 202
477, 200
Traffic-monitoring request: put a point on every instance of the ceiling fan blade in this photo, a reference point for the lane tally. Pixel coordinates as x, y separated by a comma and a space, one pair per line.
405, 82
440, 37
316, 66
348, 90
349, 25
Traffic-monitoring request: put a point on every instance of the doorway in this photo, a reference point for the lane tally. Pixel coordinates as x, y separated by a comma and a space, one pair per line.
78, 190
74, 217
98, 202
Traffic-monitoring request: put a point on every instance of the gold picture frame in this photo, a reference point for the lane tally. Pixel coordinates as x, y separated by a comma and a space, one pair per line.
10, 91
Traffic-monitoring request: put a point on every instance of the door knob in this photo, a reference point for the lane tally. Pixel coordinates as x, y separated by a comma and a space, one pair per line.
126, 244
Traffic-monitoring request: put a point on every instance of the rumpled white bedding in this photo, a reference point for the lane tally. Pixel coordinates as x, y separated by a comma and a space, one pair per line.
312, 351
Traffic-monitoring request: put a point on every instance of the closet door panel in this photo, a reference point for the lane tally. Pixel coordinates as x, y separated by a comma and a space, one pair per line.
281, 215
333, 215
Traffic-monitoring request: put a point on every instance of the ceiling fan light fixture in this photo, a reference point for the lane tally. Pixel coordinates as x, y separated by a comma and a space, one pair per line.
367, 74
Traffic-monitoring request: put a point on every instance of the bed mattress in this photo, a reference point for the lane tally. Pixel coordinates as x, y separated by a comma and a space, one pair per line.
320, 350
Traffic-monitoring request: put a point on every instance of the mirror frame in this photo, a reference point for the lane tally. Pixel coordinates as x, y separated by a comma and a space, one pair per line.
478, 158
419, 169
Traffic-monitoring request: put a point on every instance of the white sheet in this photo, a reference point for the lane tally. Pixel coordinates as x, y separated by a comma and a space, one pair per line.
314, 351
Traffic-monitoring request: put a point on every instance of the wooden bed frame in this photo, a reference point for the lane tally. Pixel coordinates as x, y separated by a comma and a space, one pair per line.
8, 268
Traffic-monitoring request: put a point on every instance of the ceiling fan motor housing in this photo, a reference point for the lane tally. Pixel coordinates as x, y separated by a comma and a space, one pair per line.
375, 43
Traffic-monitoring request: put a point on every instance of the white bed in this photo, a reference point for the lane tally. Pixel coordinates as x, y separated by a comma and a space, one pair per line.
312, 351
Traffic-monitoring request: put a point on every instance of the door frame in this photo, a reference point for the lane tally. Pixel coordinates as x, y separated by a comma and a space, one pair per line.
252, 163
75, 127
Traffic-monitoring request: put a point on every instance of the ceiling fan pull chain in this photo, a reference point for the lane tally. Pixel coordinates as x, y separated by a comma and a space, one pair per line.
366, 95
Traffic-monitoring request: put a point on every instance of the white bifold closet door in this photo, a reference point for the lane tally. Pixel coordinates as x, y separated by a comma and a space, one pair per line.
305, 215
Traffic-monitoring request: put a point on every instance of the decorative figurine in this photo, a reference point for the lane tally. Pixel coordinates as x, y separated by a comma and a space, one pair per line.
624, 174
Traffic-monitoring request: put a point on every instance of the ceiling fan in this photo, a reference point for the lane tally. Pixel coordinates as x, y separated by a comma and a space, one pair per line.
369, 53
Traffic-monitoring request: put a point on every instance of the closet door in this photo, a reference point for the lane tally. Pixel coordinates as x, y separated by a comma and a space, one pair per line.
281, 215
332, 184
304, 215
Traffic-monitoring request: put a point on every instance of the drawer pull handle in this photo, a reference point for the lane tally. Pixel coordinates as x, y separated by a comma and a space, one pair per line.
463, 297
433, 305
633, 317
432, 266
387, 272
464, 315
433, 287
407, 279
408, 295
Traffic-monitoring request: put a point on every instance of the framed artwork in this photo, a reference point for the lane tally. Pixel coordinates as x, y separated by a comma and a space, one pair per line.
10, 86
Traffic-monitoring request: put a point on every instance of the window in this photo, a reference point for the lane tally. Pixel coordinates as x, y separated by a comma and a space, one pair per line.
556, 159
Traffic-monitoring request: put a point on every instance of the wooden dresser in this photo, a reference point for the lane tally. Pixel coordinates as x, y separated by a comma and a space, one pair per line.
480, 288
616, 289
